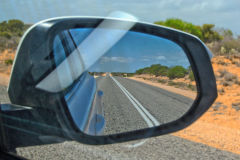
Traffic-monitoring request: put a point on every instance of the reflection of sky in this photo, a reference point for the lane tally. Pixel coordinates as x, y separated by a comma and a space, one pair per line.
135, 50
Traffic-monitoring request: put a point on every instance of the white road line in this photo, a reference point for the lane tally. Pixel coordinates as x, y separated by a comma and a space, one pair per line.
149, 119
153, 119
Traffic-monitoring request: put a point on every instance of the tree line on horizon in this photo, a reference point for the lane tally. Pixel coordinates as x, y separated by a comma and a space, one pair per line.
220, 41
156, 70
170, 72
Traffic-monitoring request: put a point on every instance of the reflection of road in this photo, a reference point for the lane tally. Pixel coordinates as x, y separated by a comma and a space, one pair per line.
162, 147
131, 105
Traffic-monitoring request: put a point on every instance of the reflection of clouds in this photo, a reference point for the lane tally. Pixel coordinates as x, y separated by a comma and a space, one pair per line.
152, 58
116, 59
146, 59
178, 58
160, 57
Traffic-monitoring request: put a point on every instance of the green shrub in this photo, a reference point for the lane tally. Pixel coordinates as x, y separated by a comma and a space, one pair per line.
208, 33
163, 71
177, 84
5, 34
10, 33
176, 72
171, 83
191, 76
182, 25
192, 87
155, 69
130, 74
205, 32
139, 71
8, 62
162, 81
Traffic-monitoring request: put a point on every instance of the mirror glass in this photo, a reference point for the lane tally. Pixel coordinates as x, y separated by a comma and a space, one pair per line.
117, 80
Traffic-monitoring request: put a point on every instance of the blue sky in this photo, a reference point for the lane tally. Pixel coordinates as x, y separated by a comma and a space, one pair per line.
223, 13
134, 51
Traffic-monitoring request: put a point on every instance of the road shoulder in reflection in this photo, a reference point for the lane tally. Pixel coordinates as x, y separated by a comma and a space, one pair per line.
120, 113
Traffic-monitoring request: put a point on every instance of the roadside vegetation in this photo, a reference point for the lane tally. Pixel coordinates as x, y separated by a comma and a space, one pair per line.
161, 70
220, 41
176, 76
10, 33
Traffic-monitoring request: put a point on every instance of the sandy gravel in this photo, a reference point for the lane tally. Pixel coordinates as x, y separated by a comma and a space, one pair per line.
4, 79
185, 93
219, 129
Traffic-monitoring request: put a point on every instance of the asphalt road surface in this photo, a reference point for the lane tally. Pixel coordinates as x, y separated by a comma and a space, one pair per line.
130, 105
162, 147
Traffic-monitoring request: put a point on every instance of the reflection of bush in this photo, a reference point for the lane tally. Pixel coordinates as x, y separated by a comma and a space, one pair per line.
191, 76
161, 70
119, 74
182, 85
192, 87
162, 81
155, 69
164, 72
130, 74
177, 72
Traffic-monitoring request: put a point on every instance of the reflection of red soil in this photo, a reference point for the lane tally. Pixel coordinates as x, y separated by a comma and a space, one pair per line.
186, 93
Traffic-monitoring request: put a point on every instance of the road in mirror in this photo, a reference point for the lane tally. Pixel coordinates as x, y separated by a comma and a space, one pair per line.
114, 85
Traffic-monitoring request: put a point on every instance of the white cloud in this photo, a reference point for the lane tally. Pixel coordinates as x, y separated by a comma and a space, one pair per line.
223, 13
153, 58
161, 58
116, 59
145, 59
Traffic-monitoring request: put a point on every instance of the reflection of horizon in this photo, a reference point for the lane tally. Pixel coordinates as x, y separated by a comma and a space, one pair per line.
138, 50
104, 71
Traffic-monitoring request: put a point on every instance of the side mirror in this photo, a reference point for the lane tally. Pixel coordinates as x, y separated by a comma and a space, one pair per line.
86, 73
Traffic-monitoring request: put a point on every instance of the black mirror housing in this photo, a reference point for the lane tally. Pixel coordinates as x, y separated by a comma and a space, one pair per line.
33, 62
